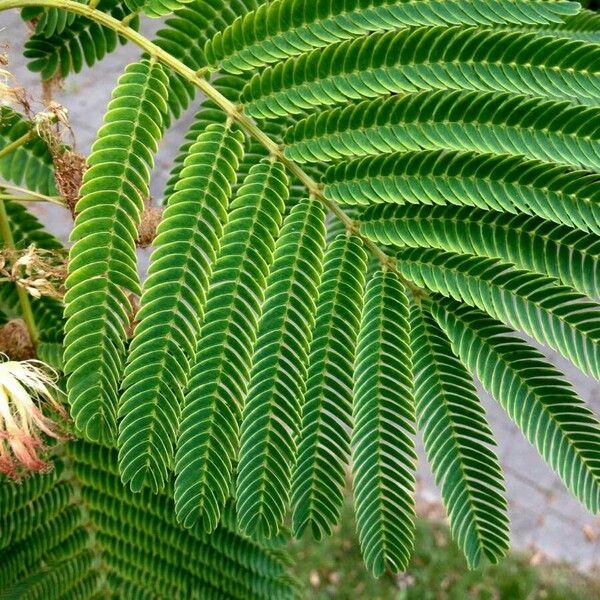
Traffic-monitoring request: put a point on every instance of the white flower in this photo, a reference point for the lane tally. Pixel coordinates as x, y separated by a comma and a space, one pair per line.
26, 388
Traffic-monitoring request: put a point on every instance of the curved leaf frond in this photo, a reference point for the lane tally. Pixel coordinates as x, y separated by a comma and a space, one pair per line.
458, 443
208, 114
500, 183
529, 243
102, 265
48, 20
484, 122
271, 418
297, 26
427, 58
209, 429
552, 314
534, 394
171, 307
324, 442
382, 441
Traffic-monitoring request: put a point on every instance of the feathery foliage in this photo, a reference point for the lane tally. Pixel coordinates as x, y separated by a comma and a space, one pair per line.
408, 179
271, 418
209, 429
483, 122
63, 44
427, 58
503, 183
457, 442
102, 265
184, 36
533, 393
324, 442
47, 548
284, 28
171, 306
527, 242
553, 314
384, 415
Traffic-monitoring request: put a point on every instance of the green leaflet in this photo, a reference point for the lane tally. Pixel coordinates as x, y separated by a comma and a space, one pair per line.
458, 443
529, 243
553, 314
271, 418
427, 58
30, 165
382, 441
160, 8
584, 26
501, 183
534, 394
81, 42
324, 443
209, 430
485, 122
284, 28
102, 265
171, 307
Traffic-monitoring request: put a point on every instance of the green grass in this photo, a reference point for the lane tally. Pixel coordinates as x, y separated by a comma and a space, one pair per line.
333, 569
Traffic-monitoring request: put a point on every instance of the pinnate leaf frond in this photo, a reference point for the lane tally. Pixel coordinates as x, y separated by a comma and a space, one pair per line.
534, 394
382, 440
271, 418
530, 243
171, 307
553, 314
458, 443
324, 442
209, 429
102, 265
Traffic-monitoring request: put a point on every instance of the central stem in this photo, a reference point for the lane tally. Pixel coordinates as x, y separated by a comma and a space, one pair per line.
16, 144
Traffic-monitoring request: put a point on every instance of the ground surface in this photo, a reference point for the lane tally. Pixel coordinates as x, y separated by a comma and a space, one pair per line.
543, 514
333, 569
